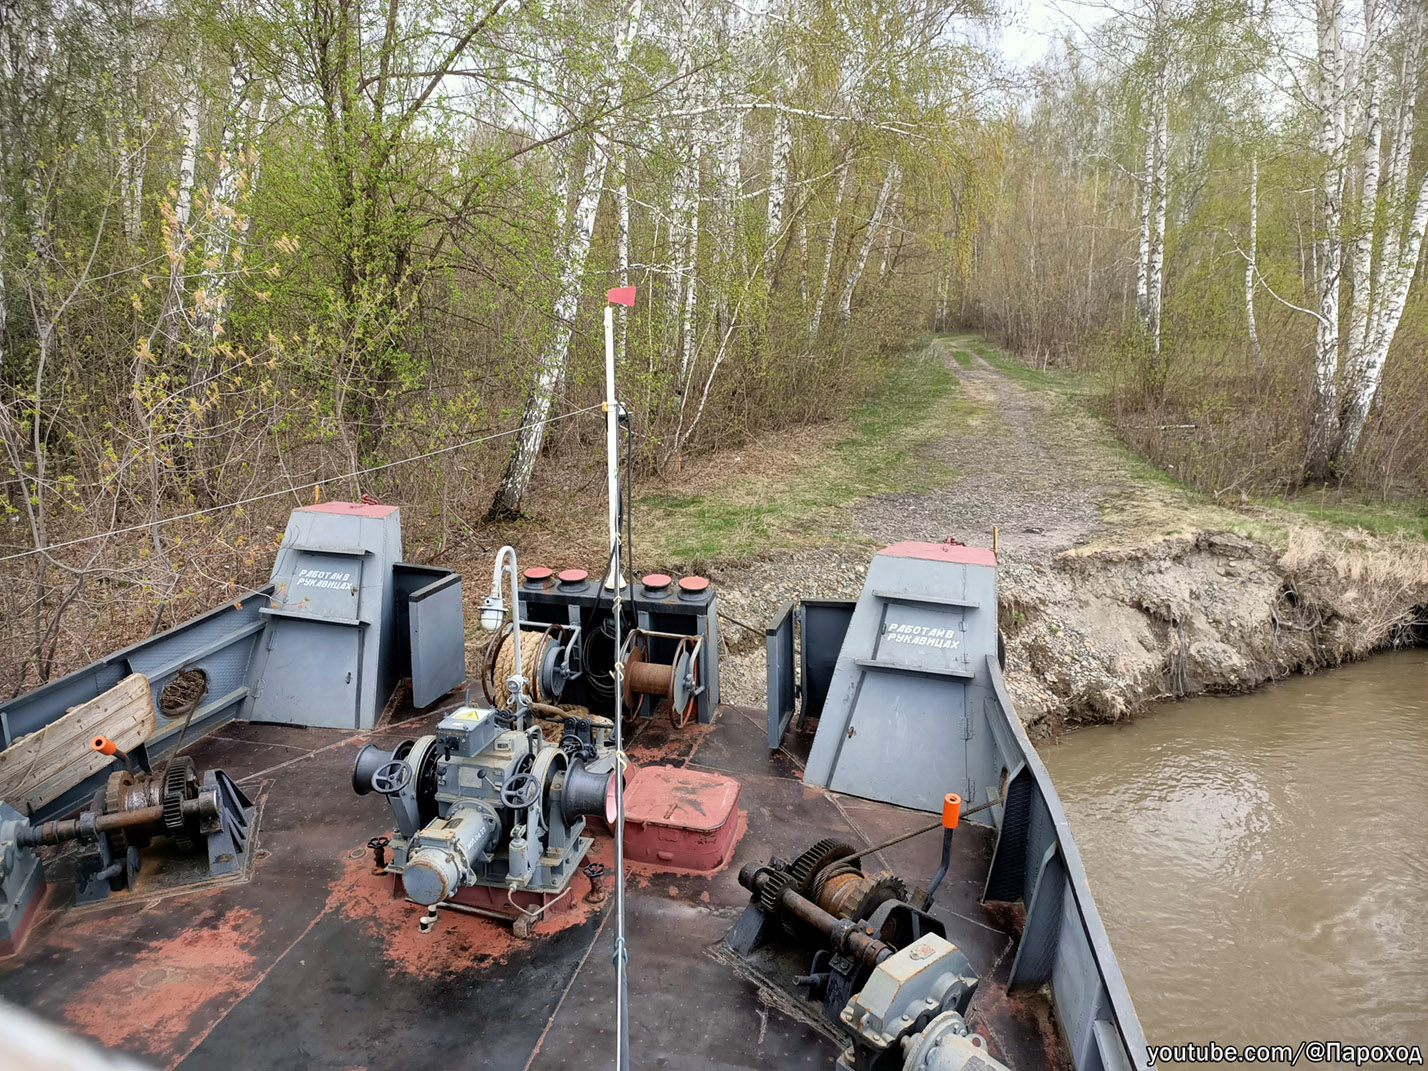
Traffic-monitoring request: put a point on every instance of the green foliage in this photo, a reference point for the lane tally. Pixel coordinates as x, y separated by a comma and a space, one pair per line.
916, 402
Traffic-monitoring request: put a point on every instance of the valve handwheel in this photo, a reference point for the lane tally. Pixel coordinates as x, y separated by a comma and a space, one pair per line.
391, 777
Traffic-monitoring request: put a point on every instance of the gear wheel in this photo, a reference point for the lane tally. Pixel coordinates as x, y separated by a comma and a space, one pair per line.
773, 889
180, 783
116, 789
881, 888
803, 870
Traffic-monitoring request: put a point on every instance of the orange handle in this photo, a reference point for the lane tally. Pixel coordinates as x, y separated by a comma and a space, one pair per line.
951, 810
103, 745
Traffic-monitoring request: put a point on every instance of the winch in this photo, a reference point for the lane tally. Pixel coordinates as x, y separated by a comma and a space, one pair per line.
195, 811
490, 814
883, 970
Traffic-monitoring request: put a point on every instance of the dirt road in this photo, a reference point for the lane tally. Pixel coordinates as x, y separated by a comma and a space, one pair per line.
1115, 590
1034, 465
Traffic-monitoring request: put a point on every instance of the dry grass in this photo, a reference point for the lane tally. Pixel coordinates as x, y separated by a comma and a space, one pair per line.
1374, 589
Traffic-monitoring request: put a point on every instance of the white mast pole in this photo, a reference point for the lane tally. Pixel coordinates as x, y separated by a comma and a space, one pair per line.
625, 296
612, 449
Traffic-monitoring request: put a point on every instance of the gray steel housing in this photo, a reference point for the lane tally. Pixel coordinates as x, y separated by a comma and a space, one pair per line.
907, 722
324, 643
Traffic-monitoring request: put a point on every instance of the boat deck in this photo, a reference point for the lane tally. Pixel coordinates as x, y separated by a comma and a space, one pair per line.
312, 963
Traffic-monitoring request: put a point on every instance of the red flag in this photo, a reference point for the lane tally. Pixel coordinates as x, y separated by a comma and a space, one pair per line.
621, 295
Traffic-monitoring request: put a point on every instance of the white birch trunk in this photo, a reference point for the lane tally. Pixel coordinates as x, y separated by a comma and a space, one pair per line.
1398, 278
255, 165
730, 185
550, 370
1361, 251
1394, 182
1324, 428
683, 248
778, 176
222, 222
683, 222
1142, 263
689, 320
845, 304
1155, 282
817, 319
622, 257
1251, 267
174, 316
730, 180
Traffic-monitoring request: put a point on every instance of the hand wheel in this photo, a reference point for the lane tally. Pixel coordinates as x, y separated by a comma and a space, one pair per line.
392, 777
519, 791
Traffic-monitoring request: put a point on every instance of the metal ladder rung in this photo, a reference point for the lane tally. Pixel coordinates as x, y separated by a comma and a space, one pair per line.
930, 600
918, 671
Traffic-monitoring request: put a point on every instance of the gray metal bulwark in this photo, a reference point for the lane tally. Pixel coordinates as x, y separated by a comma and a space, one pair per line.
898, 723
917, 708
324, 644
325, 658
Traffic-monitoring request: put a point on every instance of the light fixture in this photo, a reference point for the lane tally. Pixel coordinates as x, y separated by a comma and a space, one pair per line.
493, 612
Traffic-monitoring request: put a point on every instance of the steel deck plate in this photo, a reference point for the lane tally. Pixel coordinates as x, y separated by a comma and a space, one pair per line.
313, 964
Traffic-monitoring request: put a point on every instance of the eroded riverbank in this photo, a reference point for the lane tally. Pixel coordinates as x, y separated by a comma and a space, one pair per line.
1116, 590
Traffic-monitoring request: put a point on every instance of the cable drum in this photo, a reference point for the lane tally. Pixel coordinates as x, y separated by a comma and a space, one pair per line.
499, 663
600, 661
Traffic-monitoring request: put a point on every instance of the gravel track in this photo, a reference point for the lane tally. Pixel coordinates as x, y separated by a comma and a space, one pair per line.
1029, 463
1033, 465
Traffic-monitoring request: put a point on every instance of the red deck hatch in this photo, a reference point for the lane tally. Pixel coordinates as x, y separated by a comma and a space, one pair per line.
687, 819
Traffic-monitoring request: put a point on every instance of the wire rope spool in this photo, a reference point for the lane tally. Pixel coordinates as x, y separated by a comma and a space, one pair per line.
598, 654
677, 681
847, 893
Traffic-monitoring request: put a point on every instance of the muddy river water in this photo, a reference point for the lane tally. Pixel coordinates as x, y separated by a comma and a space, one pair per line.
1261, 861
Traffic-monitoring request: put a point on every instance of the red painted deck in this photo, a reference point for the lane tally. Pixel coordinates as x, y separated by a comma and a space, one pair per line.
312, 963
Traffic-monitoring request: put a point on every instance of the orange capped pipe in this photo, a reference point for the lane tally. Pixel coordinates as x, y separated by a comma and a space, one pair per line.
951, 810
105, 746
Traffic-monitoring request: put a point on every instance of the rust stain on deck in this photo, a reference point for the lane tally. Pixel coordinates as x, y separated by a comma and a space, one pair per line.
195, 976
460, 942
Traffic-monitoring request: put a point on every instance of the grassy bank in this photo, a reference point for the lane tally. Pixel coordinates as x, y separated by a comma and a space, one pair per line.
794, 490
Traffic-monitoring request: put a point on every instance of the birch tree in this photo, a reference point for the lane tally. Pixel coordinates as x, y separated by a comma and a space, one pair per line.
1329, 100
845, 303
1251, 266
574, 246
1381, 285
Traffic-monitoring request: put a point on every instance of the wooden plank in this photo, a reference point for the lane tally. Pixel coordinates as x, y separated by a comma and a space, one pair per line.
43, 765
